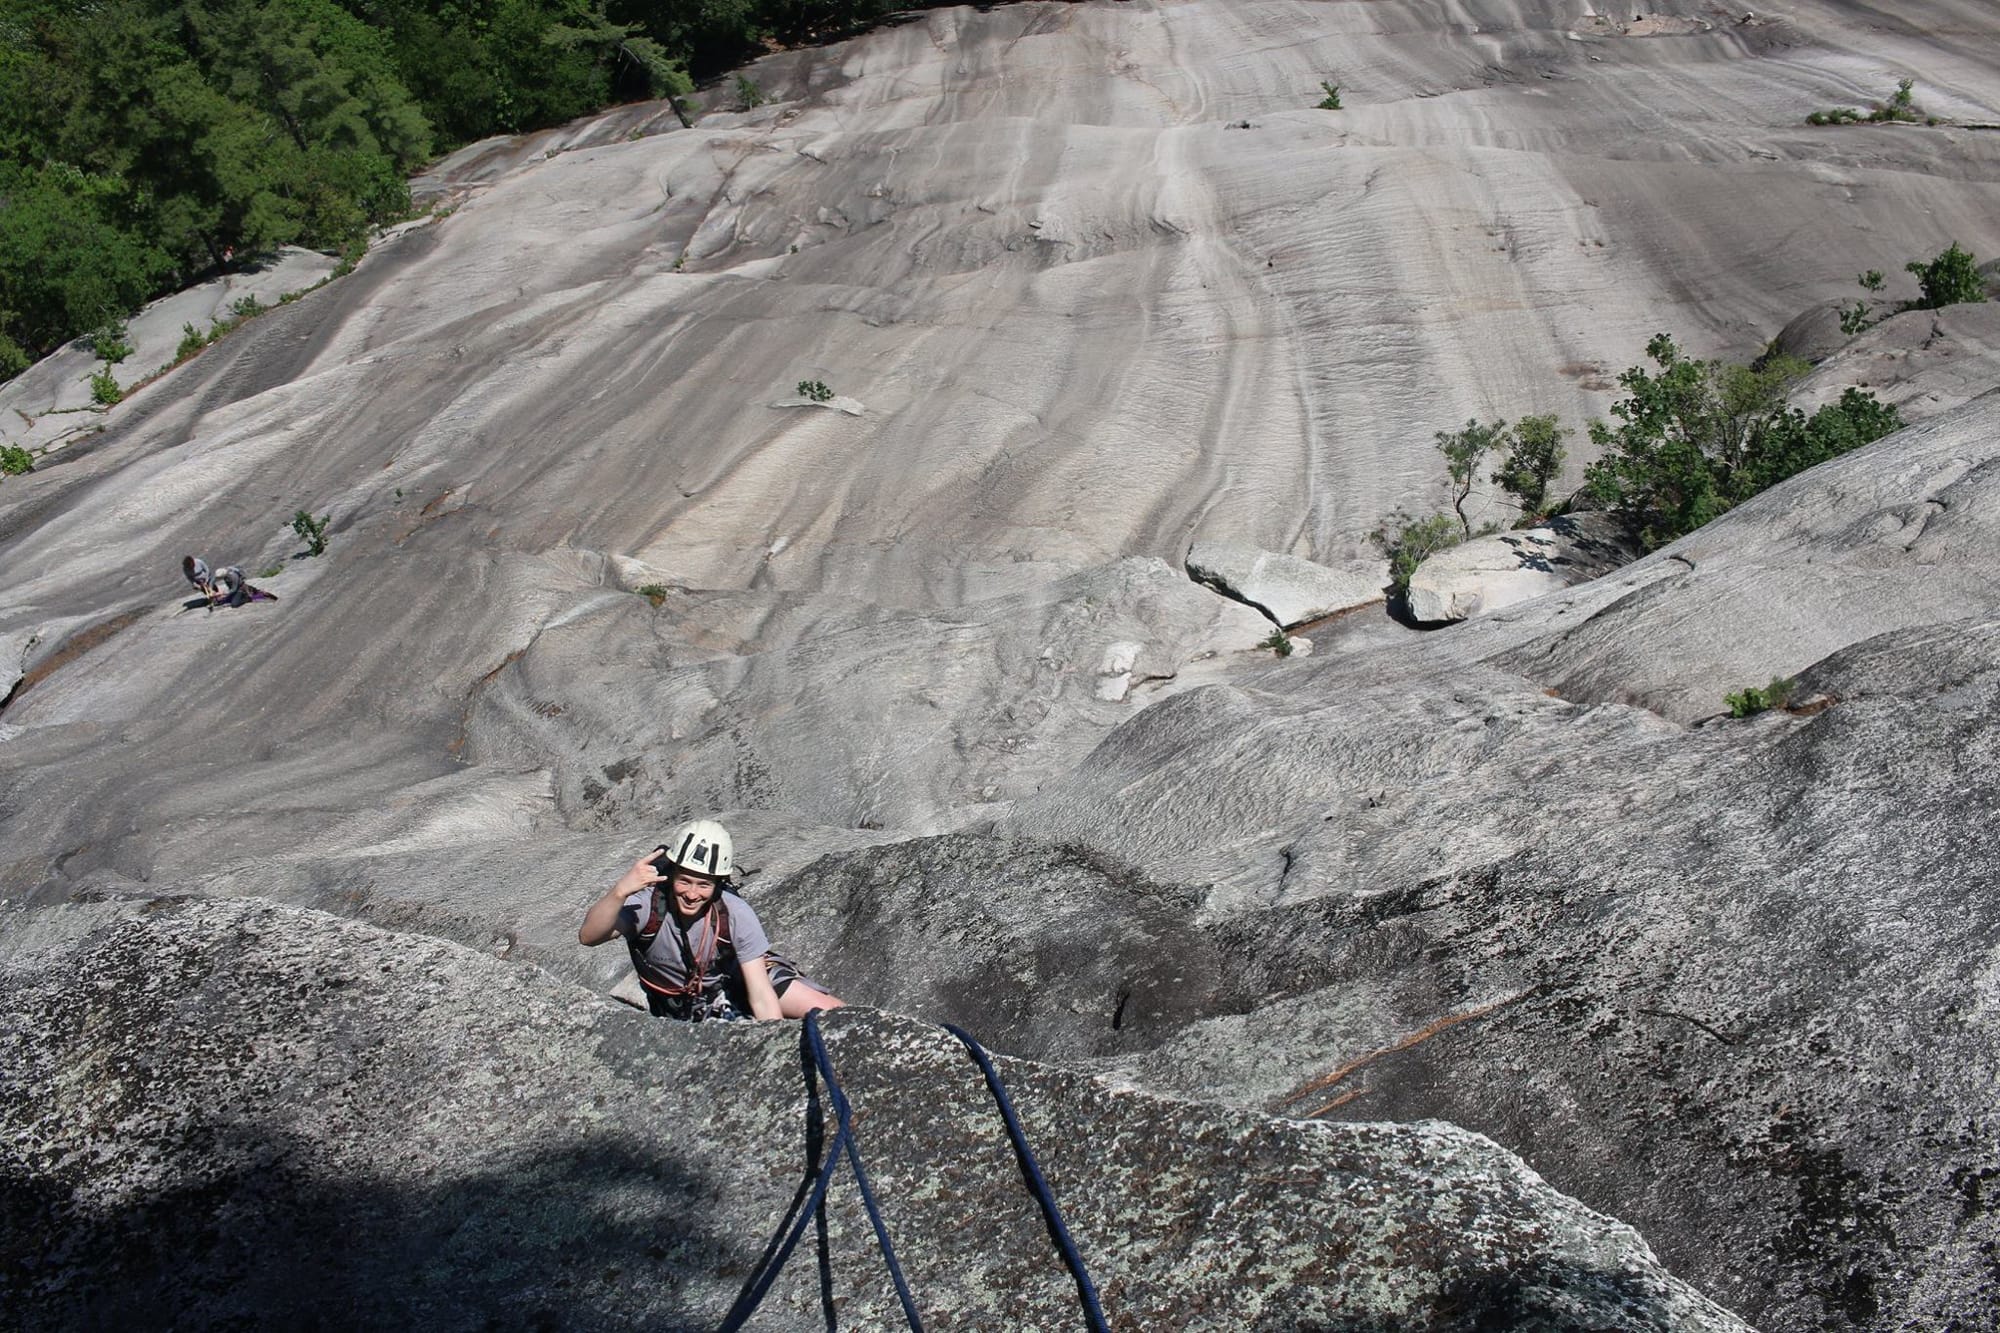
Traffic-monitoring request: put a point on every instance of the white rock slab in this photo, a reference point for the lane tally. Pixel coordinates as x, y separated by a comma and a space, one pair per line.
1114, 670
49, 404
1288, 589
852, 407
1488, 573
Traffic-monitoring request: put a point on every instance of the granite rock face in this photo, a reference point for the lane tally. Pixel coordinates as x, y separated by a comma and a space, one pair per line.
1289, 590
49, 406
1503, 568
491, 1146
1107, 286
1737, 973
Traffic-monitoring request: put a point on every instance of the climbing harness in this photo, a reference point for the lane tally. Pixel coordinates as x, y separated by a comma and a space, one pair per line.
690, 996
809, 1202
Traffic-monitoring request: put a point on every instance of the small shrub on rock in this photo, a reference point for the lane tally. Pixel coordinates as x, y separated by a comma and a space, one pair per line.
109, 343
1462, 450
1531, 460
312, 531
351, 253
1407, 541
815, 391
652, 592
192, 341
104, 389
1751, 701
1278, 642
1951, 277
14, 460
1330, 102
1854, 319
1697, 437
1900, 107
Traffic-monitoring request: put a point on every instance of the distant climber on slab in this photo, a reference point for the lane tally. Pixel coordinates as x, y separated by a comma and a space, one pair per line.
699, 950
226, 586
196, 570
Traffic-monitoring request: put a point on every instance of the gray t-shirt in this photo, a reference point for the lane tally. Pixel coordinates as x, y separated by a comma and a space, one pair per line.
663, 966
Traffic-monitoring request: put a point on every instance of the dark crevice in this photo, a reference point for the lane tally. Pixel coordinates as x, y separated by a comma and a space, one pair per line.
75, 646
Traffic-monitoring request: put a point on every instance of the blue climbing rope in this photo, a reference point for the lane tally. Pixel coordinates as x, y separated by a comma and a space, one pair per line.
844, 1114
761, 1280
1086, 1290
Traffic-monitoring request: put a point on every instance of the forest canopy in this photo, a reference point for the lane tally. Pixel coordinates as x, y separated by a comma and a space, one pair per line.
145, 142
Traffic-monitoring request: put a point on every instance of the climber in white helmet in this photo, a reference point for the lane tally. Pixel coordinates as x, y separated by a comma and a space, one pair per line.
699, 950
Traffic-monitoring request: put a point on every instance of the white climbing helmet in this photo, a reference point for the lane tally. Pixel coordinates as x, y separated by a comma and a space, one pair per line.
703, 847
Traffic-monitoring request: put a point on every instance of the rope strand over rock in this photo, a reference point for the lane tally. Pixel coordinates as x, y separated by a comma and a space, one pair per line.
811, 1200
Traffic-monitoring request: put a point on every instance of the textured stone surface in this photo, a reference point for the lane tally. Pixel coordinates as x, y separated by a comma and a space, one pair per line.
49, 405
1108, 286
492, 1147
1289, 590
1737, 975
1490, 572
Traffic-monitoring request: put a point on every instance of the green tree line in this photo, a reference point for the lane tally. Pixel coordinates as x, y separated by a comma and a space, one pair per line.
144, 143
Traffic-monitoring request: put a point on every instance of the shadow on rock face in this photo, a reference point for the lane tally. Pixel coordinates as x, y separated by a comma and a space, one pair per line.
1042, 950
583, 1238
236, 1119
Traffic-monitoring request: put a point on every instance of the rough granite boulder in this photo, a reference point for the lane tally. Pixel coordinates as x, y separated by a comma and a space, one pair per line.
1503, 568
1286, 588
490, 1146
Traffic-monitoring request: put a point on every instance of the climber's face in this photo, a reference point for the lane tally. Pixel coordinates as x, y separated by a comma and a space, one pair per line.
691, 892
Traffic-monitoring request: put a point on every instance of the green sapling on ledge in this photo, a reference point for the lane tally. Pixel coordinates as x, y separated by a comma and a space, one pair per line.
312, 531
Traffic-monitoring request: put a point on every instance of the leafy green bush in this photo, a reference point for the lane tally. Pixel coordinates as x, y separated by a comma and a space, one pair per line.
312, 531
1407, 541
192, 341
13, 360
1751, 701
1331, 102
108, 342
247, 307
351, 253
1278, 642
1532, 460
652, 592
1901, 106
1696, 437
1462, 450
104, 388
1949, 278
14, 460
815, 390
748, 93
